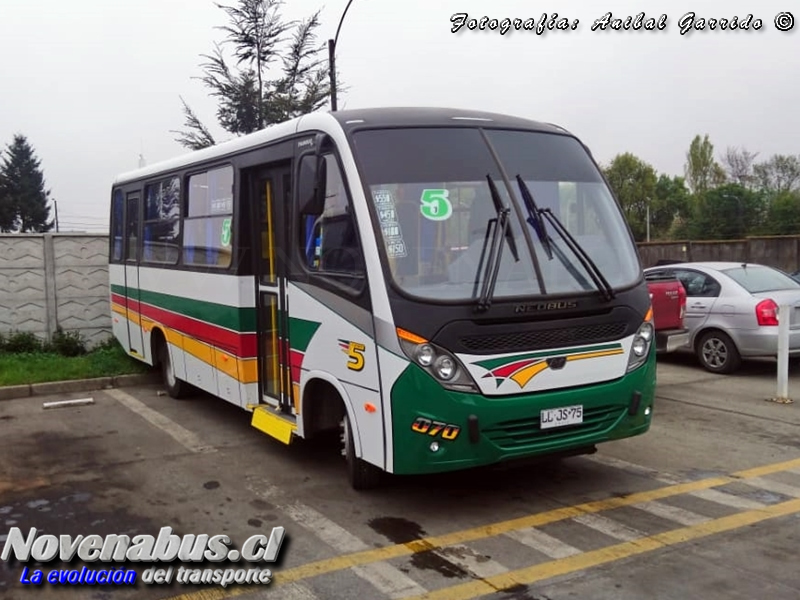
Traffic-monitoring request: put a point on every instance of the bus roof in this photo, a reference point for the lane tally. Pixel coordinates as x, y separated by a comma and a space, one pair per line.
435, 117
348, 120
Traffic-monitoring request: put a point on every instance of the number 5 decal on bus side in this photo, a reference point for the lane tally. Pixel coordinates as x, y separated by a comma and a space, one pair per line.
435, 205
355, 352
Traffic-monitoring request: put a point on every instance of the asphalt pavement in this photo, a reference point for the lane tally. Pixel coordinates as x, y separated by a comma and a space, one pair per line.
705, 505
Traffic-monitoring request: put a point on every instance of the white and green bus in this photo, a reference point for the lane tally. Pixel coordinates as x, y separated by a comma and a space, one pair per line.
450, 288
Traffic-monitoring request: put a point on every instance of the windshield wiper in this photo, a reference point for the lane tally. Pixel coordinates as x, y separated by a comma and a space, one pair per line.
535, 218
499, 229
537, 221
498, 207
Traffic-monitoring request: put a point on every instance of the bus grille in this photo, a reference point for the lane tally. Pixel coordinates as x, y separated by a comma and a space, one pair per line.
526, 432
540, 339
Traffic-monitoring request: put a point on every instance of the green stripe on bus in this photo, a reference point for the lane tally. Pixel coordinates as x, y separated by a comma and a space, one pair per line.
230, 317
496, 362
301, 332
236, 319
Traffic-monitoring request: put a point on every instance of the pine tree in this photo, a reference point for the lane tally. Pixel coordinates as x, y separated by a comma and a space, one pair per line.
24, 201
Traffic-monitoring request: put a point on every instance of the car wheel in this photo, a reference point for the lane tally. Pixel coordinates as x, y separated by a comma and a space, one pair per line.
717, 353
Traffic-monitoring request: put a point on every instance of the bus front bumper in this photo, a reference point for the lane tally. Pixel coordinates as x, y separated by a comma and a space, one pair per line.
436, 430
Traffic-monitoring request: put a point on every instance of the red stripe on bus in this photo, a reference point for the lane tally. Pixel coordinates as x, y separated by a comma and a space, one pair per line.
296, 363
121, 300
244, 345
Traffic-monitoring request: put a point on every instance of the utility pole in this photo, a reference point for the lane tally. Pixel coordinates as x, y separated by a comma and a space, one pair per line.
332, 67
648, 219
332, 58
55, 207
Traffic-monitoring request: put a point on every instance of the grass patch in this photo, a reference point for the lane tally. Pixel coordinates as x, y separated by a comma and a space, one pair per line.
107, 360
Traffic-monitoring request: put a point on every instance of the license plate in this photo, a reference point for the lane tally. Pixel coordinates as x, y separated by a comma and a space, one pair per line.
559, 417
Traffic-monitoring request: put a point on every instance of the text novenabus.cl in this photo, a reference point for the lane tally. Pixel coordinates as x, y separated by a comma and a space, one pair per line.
166, 547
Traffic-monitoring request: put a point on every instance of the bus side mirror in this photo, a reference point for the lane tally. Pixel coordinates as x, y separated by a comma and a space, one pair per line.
313, 181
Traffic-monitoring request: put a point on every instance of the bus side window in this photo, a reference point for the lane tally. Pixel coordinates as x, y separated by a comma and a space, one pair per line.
117, 226
330, 242
132, 227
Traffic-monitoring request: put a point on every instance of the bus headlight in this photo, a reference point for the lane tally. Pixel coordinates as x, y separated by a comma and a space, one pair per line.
445, 368
425, 355
639, 346
437, 362
642, 341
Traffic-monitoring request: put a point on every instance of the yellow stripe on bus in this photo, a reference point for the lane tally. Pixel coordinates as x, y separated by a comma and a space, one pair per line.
226, 363
597, 354
199, 350
244, 370
525, 375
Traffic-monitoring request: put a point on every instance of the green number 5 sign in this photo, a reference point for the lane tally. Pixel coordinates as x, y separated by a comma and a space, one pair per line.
225, 238
435, 205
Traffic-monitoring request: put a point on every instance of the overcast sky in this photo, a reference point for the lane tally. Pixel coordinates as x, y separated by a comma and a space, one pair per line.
93, 84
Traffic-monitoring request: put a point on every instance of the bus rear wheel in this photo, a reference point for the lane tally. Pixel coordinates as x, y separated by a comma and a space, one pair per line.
175, 387
361, 474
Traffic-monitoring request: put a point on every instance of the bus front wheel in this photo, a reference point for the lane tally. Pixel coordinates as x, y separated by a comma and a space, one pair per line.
361, 474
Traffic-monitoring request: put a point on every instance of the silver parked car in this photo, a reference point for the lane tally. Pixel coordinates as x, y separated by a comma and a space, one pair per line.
732, 310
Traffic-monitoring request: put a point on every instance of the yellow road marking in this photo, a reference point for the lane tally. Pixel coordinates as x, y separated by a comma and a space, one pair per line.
609, 554
354, 559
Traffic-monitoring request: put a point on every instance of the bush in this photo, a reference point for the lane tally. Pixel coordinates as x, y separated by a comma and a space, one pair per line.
70, 343
22, 342
110, 343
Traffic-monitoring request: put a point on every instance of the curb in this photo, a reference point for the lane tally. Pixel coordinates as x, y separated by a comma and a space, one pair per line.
13, 392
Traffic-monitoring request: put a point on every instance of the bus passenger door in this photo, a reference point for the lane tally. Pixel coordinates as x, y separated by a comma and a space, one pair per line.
270, 194
132, 237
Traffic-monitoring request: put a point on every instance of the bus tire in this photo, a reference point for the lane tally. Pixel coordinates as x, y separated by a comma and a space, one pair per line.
174, 386
361, 474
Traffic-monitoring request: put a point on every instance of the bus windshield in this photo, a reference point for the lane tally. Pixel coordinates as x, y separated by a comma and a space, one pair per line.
431, 193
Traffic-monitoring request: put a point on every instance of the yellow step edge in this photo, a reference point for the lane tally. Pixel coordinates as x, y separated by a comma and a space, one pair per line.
274, 425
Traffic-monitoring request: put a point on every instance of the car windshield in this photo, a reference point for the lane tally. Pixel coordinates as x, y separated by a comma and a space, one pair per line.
433, 202
756, 279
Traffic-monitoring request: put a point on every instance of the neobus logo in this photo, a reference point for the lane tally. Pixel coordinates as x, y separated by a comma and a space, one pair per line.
542, 306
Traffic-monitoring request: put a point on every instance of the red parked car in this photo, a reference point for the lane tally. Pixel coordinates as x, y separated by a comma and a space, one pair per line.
668, 298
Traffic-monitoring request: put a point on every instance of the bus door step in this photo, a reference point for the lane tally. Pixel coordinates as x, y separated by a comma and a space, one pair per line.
274, 423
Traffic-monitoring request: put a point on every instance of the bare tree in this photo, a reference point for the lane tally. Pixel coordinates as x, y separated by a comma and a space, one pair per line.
779, 174
738, 164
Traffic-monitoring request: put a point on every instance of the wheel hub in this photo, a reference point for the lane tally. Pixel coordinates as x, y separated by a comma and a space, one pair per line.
715, 353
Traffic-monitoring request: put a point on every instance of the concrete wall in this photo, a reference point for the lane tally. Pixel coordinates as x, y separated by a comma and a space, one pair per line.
782, 252
47, 280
